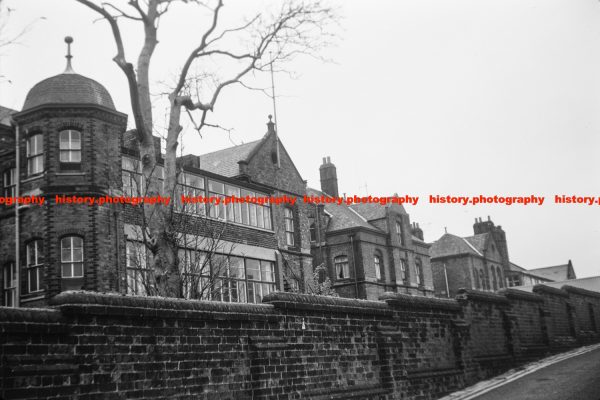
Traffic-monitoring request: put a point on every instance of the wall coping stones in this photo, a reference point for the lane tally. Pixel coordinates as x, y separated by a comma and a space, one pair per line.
82, 302
298, 301
520, 295
550, 290
41, 315
399, 300
580, 291
478, 295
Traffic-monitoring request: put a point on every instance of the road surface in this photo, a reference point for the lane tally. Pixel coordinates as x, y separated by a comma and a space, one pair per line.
577, 378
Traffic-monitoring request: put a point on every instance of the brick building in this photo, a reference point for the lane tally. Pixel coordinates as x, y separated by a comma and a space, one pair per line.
474, 262
481, 262
72, 141
367, 249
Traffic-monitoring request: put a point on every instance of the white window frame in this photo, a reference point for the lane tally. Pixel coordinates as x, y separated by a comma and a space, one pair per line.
135, 274
342, 267
35, 156
72, 262
36, 265
9, 182
288, 218
10, 284
72, 148
378, 262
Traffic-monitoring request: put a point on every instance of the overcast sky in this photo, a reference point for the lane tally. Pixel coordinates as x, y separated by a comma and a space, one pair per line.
424, 97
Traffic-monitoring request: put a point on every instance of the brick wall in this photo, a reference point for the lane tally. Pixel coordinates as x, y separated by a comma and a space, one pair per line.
91, 345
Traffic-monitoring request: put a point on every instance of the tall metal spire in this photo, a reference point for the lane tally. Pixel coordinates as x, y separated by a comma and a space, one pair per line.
275, 116
69, 69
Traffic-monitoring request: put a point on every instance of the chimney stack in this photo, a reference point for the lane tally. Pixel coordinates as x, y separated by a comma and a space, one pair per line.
328, 172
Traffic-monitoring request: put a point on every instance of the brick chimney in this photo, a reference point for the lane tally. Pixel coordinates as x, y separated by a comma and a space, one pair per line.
329, 183
416, 231
481, 226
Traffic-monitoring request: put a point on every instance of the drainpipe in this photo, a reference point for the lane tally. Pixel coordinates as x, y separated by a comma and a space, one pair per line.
446, 277
354, 265
17, 225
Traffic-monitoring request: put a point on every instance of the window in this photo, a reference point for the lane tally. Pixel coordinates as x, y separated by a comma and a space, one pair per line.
216, 189
190, 186
477, 282
234, 210
133, 183
71, 257
137, 268
494, 281
261, 279
342, 268
378, 262
10, 182
35, 155
403, 270
400, 231
313, 232
34, 266
288, 217
226, 278
70, 146
419, 271
500, 280
10, 285
484, 285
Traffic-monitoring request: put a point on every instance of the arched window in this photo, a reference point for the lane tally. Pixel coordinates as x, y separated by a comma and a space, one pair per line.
500, 279
494, 281
419, 271
378, 262
35, 264
71, 256
342, 268
35, 154
477, 281
70, 146
482, 279
10, 284
313, 232
400, 231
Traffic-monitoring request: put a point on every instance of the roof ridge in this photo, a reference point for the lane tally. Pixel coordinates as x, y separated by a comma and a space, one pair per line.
471, 246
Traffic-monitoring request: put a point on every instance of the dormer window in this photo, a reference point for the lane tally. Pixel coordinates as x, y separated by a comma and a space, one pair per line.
35, 155
70, 146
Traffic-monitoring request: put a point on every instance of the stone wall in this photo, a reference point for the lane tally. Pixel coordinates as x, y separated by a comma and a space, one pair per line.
90, 346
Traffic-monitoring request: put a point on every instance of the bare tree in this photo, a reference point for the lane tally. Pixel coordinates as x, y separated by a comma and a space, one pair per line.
297, 27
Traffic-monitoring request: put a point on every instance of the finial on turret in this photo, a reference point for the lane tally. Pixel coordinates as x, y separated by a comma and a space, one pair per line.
69, 69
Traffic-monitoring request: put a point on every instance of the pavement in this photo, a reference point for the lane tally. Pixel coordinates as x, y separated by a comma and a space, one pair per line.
574, 375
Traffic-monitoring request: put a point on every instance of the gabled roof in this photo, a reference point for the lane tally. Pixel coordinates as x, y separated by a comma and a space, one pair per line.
342, 216
225, 162
478, 241
556, 273
373, 211
5, 114
450, 245
515, 267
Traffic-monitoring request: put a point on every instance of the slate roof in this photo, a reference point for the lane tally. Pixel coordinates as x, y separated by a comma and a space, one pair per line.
555, 273
591, 283
449, 245
373, 211
225, 162
5, 114
68, 88
342, 216
478, 241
